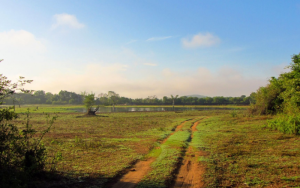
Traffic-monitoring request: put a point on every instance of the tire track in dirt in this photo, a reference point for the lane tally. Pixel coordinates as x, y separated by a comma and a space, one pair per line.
140, 169
191, 171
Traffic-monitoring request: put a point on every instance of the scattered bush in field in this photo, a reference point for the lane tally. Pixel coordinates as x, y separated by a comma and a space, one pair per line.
287, 124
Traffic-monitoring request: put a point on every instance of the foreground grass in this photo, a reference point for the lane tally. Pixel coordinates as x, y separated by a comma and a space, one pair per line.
242, 153
239, 151
101, 147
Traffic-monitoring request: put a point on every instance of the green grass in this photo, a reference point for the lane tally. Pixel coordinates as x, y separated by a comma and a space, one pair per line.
103, 146
244, 153
240, 151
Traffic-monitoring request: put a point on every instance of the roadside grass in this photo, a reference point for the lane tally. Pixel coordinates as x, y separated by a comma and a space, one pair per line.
103, 146
243, 152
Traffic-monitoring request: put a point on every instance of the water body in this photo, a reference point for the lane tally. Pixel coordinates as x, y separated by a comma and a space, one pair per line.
150, 109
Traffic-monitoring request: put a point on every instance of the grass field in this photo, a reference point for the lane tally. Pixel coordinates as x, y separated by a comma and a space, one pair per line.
240, 150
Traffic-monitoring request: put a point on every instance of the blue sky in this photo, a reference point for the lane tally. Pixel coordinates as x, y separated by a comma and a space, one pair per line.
142, 48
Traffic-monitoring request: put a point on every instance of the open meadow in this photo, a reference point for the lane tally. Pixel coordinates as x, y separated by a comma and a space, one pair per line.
212, 148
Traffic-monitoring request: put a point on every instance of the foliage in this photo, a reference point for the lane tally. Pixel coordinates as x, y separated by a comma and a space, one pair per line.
113, 97
289, 124
67, 97
21, 152
282, 94
89, 100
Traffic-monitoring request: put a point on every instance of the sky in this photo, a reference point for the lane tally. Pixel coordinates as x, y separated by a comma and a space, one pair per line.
140, 48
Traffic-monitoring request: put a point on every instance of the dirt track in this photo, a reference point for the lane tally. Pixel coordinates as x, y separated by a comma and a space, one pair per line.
135, 174
191, 171
140, 169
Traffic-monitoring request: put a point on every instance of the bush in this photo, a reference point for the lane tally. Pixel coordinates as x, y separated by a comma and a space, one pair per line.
22, 155
286, 123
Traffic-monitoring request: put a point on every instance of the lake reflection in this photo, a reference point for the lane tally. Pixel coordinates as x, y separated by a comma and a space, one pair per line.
150, 109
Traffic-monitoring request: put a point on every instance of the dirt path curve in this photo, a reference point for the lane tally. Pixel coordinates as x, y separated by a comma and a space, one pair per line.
191, 171
140, 169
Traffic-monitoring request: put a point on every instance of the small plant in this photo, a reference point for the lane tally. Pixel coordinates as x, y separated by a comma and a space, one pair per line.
233, 113
78, 140
58, 156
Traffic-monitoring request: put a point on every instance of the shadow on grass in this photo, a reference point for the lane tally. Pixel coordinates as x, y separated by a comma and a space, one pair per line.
91, 116
68, 180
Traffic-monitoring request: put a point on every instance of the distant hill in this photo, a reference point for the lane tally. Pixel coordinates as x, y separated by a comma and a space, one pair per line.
199, 96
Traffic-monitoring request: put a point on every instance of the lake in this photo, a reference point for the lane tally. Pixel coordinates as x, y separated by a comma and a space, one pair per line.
150, 109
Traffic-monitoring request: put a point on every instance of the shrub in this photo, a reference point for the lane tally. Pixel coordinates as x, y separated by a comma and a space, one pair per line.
289, 124
22, 154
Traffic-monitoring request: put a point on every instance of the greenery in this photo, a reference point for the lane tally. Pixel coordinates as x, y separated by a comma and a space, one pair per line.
112, 98
289, 124
282, 94
22, 154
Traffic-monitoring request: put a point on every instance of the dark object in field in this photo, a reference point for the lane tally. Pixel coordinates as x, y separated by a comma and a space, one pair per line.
178, 111
92, 112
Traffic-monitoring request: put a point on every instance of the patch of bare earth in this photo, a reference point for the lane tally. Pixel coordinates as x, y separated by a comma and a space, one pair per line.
135, 174
139, 170
191, 171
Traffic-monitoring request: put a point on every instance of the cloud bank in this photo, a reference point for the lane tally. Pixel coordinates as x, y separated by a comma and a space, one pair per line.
66, 20
200, 40
117, 77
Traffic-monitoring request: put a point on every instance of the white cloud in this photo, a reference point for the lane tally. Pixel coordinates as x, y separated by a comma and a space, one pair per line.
200, 40
150, 64
159, 38
23, 53
21, 41
66, 20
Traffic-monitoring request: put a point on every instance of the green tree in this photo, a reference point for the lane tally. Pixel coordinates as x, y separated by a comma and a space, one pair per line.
173, 100
89, 102
113, 98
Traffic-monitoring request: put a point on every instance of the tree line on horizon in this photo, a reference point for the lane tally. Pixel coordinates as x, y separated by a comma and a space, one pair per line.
67, 97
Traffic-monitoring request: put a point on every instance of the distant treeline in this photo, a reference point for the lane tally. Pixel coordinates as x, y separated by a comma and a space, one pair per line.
66, 97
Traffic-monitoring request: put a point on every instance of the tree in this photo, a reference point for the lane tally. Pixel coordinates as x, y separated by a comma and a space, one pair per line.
89, 101
113, 98
173, 99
